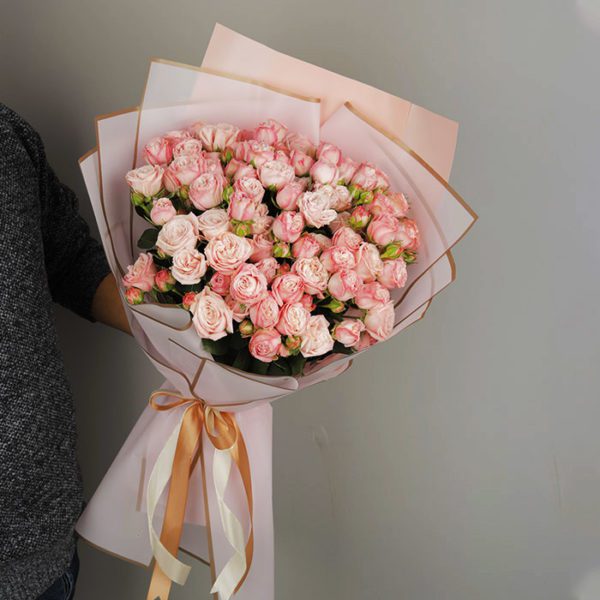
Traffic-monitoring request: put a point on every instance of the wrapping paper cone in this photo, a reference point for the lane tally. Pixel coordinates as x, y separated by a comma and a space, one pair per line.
226, 516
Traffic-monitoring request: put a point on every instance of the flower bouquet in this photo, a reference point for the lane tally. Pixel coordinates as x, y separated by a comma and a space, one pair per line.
281, 236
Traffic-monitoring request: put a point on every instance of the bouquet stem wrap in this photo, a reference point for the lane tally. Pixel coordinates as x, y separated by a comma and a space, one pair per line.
176, 462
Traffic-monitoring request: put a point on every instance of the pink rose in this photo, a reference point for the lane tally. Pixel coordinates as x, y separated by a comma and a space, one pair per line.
368, 262
346, 236
178, 233
262, 247
366, 341
379, 321
348, 331
188, 299
189, 266
216, 138
182, 171
141, 273
207, 191
162, 211
265, 313
342, 200
306, 246
242, 207
346, 170
232, 166
366, 177
134, 295
313, 273
288, 226
308, 302
383, 181
270, 132
323, 241
248, 285
316, 339
343, 284
316, 207
258, 153
287, 288
301, 162
213, 163
251, 187
158, 151
220, 283
146, 180
330, 153
393, 274
268, 267
245, 171
384, 230
212, 318
287, 197
227, 252
299, 142
189, 147
341, 220
213, 222
282, 155
239, 310
337, 258
177, 135
265, 345
409, 236
262, 221
370, 295
324, 172
391, 204
275, 174
293, 319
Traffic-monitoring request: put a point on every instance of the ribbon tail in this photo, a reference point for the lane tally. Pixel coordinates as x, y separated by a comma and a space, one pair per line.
235, 569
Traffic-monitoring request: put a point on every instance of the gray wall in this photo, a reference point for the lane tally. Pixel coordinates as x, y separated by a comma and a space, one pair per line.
460, 461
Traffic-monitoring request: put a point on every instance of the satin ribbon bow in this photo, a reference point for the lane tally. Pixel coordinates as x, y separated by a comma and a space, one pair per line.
176, 463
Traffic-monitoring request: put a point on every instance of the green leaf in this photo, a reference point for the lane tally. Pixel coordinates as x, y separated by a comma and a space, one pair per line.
297, 364
279, 368
341, 349
216, 347
242, 360
148, 239
258, 367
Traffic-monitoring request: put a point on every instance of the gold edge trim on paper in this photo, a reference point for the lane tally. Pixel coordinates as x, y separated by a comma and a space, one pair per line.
139, 312
87, 155
418, 158
234, 77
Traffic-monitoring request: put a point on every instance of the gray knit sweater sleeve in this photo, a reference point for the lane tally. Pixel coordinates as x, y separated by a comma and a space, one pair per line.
47, 255
75, 262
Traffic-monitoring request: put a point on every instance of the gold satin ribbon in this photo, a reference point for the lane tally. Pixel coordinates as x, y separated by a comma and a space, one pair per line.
225, 435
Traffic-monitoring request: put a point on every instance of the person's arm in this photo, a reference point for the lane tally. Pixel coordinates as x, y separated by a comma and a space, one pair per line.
107, 306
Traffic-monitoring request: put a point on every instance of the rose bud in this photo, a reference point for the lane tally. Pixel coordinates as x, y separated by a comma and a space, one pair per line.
281, 250
188, 299
359, 218
284, 268
324, 172
301, 162
164, 281
335, 306
391, 251
348, 331
162, 211
246, 328
366, 341
158, 151
409, 256
293, 343
308, 302
134, 295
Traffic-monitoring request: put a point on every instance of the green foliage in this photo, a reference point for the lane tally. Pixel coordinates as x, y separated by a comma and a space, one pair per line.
148, 239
